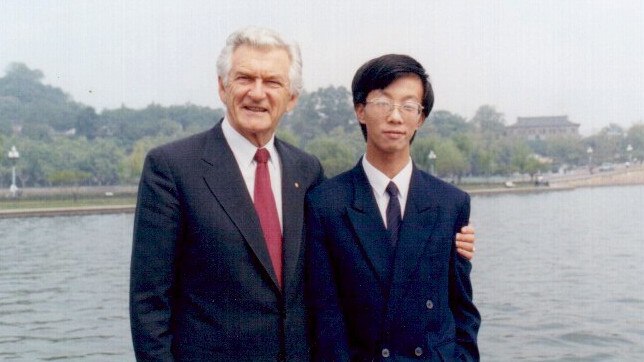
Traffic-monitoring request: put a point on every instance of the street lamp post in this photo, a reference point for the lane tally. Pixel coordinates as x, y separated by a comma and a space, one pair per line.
629, 151
589, 151
13, 156
432, 159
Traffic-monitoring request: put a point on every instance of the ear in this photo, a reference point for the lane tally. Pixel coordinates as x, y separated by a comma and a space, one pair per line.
291, 103
421, 120
222, 90
360, 110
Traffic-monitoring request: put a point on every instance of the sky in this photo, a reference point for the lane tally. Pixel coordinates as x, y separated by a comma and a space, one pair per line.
580, 58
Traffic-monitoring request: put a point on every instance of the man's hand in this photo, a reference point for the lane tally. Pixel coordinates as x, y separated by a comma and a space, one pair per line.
465, 242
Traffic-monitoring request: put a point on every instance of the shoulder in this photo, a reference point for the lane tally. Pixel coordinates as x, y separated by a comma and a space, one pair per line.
306, 164
439, 188
335, 190
285, 148
184, 146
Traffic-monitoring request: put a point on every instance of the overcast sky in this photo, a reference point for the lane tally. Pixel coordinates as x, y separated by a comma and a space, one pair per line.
584, 59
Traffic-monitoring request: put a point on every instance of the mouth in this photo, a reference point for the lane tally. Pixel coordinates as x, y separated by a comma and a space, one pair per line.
255, 109
394, 134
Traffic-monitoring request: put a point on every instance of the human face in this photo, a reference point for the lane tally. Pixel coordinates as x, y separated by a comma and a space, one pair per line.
389, 135
257, 92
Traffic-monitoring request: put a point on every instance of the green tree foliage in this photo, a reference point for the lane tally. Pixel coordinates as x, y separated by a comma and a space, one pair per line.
65, 143
524, 161
320, 113
608, 145
87, 123
68, 177
635, 138
25, 100
445, 124
129, 125
337, 152
449, 162
564, 151
488, 121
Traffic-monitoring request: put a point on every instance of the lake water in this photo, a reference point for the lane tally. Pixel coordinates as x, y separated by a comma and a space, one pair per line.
558, 276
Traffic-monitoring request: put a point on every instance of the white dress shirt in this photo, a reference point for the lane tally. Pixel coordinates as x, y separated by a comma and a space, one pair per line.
244, 152
379, 182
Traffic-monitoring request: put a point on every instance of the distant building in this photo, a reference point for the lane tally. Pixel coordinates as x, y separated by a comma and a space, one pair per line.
541, 128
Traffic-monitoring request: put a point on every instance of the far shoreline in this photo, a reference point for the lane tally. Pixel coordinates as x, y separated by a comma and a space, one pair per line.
634, 176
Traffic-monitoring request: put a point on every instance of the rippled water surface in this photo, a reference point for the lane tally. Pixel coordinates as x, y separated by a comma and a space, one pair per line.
63, 288
558, 277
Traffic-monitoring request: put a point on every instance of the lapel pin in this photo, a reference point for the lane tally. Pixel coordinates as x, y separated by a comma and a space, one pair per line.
297, 186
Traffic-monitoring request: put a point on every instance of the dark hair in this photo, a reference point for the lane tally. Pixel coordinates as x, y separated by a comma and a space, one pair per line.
379, 73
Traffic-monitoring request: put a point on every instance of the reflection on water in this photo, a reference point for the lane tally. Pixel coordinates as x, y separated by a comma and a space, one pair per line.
557, 277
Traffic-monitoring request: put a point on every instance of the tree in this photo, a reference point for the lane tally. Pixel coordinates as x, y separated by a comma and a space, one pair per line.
68, 177
524, 161
320, 112
102, 161
444, 124
635, 138
25, 100
449, 161
488, 121
87, 123
564, 151
334, 155
132, 164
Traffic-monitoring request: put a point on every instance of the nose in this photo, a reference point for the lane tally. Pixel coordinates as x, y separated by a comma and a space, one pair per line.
395, 115
257, 90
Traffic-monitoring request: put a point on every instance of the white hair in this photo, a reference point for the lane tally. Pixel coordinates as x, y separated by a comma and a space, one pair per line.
261, 38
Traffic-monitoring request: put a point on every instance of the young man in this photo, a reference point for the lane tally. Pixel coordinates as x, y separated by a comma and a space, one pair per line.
384, 278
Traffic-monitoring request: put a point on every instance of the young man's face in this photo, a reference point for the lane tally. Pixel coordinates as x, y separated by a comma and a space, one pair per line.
390, 131
257, 92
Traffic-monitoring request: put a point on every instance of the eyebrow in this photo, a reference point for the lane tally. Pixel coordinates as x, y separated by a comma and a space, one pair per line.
408, 98
269, 76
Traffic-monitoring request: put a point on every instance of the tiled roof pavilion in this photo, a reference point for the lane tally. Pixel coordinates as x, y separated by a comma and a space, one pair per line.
543, 127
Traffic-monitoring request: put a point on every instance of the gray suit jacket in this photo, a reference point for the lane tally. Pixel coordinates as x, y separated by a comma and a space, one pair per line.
202, 283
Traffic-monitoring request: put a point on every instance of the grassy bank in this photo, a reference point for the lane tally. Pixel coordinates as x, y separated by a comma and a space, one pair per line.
111, 197
65, 202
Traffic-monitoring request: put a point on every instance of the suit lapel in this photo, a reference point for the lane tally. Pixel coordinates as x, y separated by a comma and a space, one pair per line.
223, 178
368, 225
415, 232
292, 211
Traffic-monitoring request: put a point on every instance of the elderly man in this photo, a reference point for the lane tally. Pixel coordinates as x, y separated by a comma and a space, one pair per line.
217, 260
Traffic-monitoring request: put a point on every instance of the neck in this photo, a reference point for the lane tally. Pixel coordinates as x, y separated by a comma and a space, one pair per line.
388, 163
258, 140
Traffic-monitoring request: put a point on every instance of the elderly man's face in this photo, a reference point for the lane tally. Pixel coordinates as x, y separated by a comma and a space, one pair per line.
257, 92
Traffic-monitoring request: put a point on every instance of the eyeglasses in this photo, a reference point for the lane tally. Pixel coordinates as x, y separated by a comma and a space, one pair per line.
385, 107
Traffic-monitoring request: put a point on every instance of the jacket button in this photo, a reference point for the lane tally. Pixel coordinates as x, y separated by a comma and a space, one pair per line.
385, 352
418, 351
429, 304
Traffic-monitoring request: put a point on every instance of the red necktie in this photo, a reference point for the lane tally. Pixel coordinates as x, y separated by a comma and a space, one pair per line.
267, 212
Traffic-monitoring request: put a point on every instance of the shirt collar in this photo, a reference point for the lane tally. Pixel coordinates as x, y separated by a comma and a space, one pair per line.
379, 180
242, 148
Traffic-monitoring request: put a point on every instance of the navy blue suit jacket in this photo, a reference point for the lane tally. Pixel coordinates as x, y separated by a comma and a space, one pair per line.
202, 282
369, 300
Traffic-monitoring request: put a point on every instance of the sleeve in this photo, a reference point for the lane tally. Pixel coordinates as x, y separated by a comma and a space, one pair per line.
152, 270
466, 316
328, 333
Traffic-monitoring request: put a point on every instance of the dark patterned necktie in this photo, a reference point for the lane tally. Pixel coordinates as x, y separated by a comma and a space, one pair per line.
267, 212
393, 213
